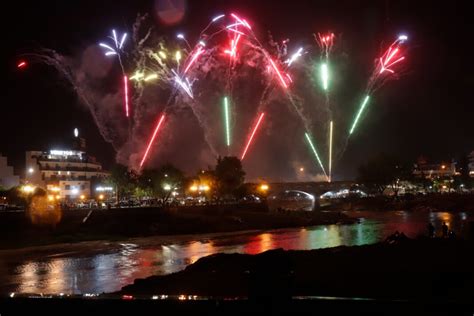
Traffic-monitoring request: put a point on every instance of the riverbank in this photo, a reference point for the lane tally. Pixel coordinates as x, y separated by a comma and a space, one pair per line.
416, 270
435, 202
18, 230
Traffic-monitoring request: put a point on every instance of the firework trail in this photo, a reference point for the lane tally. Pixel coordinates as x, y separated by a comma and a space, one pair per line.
326, 44
382, 72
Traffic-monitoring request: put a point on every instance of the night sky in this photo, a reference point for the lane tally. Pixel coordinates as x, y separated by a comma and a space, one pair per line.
428, 111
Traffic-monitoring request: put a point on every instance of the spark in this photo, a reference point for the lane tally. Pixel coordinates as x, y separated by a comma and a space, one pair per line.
218, 17
237, 31
125, 89
325, 75
364, 104
162, 54
118, 45
294, 57
152, 139
194, 58
402, 37
185, 85
282, 80
227, 125
233, 46
330, 150
21, 64
124, 36
151, 77
242, 21
115, 38
392, 55
137, 76
315, 152
178, 56
252, 135
180, 36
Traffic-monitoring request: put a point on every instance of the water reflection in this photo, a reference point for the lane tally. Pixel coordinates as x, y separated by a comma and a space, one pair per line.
109, 270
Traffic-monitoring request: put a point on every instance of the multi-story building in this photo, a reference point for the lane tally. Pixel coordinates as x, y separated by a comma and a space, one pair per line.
68, 174
437, 170
7, 178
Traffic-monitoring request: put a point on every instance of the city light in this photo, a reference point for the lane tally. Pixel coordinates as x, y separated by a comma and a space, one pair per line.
76, 132
301, 169
55, 189
75, 191
50, 197
167, 187
30, 170
101, 196
82, 197
102, 189
28, 188
264, 187
193, 188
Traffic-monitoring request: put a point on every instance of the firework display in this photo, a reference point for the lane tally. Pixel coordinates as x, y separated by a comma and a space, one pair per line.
198, 75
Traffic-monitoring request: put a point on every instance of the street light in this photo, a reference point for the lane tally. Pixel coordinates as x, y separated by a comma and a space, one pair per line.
28, 188
264, 187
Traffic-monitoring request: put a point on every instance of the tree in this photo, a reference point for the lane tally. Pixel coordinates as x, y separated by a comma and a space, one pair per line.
161, 182
229, 175
383, 171
123, 179
463, 167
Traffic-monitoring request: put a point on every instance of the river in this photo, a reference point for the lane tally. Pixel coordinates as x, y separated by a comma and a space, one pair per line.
97, 267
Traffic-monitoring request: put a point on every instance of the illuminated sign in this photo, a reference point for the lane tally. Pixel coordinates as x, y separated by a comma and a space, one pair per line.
102, 189
63, 153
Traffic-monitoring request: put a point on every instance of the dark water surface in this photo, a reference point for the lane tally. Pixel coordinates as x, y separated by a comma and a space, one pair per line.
107, 267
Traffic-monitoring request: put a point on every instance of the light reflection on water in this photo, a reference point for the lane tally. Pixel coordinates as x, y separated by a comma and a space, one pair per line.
109, 270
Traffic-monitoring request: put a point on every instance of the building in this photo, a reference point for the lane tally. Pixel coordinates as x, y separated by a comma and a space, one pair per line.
67, 174
433, 171
7, 178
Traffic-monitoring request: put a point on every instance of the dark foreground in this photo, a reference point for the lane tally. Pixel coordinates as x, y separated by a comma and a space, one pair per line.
437, 270
405, 277
219, 306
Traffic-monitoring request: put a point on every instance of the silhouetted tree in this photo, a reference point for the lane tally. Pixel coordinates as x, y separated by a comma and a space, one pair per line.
382, 171
123, 180
463, 168
161, 182
229, 174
